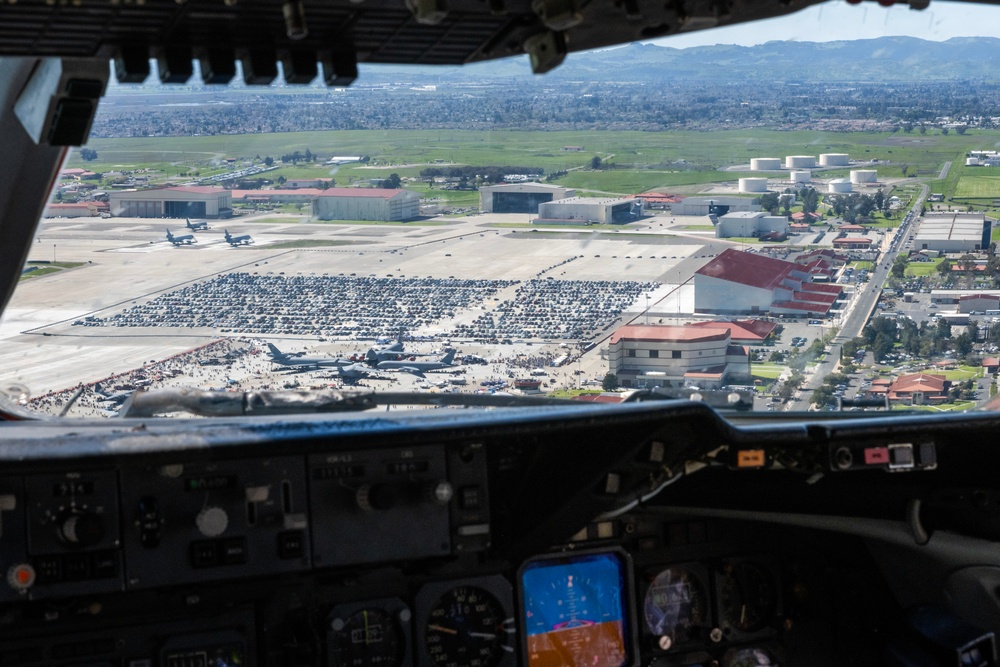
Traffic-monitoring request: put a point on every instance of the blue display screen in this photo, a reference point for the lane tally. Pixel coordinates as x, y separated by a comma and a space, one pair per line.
574, 611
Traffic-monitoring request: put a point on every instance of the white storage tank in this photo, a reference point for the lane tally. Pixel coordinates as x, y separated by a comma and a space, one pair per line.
801, 176
864, 176
800, 161
840, 186
834, 159
765, 164
753, 185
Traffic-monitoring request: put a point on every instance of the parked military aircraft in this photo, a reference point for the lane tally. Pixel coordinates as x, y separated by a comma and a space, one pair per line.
234, 241
418, 367
185, 239
195, 226
303, 363
391, 352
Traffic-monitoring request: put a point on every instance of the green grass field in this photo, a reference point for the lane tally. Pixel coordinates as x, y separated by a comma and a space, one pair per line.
978, 187
922, 269
48, 268
767, 371
644, 160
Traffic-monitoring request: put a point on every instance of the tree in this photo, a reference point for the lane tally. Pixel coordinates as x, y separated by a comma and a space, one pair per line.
393, 182
769, 202
88, 154
281, 180
922, 129
899, 265
595, 163
944, 268
944, 131
963, 344
268, 161
881, 346
610, 382
960, 129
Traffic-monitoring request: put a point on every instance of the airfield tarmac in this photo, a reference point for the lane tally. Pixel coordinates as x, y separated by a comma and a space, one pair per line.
127, 261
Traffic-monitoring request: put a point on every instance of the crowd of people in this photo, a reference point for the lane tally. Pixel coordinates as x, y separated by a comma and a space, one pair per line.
315, 305
556, 309
203, 366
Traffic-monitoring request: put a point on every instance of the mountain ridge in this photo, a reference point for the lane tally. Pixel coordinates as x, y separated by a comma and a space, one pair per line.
884, 59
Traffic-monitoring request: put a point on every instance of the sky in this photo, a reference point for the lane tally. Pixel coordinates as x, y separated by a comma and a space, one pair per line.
838, 20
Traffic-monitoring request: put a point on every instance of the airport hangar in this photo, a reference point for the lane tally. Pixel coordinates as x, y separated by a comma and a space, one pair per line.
953, 232
743, 282
519, 197
603, 211
186, 201
714, 205
366, 204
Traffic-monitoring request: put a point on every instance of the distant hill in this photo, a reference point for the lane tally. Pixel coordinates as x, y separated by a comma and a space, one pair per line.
886, 59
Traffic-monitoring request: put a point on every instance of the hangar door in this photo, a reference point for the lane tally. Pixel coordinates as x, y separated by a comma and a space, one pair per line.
519, 202
185, 209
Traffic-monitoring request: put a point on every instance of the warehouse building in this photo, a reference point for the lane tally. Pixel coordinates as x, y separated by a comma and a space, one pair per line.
953, 232
677, 356
714, 205
979, 303
588, 209
366, 204
745, 224
519, 197
743, 282
188, 201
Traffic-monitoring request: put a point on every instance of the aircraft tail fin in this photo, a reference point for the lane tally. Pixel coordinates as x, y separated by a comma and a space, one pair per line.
275, 352
228, 237
448, 358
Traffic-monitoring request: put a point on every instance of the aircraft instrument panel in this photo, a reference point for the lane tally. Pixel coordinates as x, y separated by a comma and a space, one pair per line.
491, 541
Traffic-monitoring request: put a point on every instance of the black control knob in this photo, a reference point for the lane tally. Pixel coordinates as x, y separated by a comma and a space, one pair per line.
372, 497
80, 528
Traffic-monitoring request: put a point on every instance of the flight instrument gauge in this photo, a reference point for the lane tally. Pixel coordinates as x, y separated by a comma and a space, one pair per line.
375, 633
675, 606
748, 596
466, 623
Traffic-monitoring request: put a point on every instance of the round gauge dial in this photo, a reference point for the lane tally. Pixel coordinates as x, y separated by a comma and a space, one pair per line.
366, 638
465, 628
747, 598
674, 605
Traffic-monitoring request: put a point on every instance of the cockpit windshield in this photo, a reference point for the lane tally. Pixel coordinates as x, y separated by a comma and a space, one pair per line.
791, 215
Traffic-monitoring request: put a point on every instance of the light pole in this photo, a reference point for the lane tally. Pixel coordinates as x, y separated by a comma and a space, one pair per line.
53, 253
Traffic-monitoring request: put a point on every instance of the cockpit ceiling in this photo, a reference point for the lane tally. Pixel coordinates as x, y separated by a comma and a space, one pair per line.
426, 32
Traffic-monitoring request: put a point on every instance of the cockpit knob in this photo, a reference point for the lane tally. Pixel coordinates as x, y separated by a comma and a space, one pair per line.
370, 497
212, 521
439, 493
81, 528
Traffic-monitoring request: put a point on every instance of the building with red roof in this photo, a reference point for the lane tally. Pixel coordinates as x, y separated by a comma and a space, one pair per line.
919, 388
743, 282
978, 303
186, 201
366, 204
677, 356
853, 243
743, 332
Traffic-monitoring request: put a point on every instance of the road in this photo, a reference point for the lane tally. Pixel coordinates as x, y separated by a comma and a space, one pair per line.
944, 172
860, 310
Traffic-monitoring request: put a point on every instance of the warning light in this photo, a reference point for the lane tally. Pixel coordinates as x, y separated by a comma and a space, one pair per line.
750, 458
876, 456
21, 576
